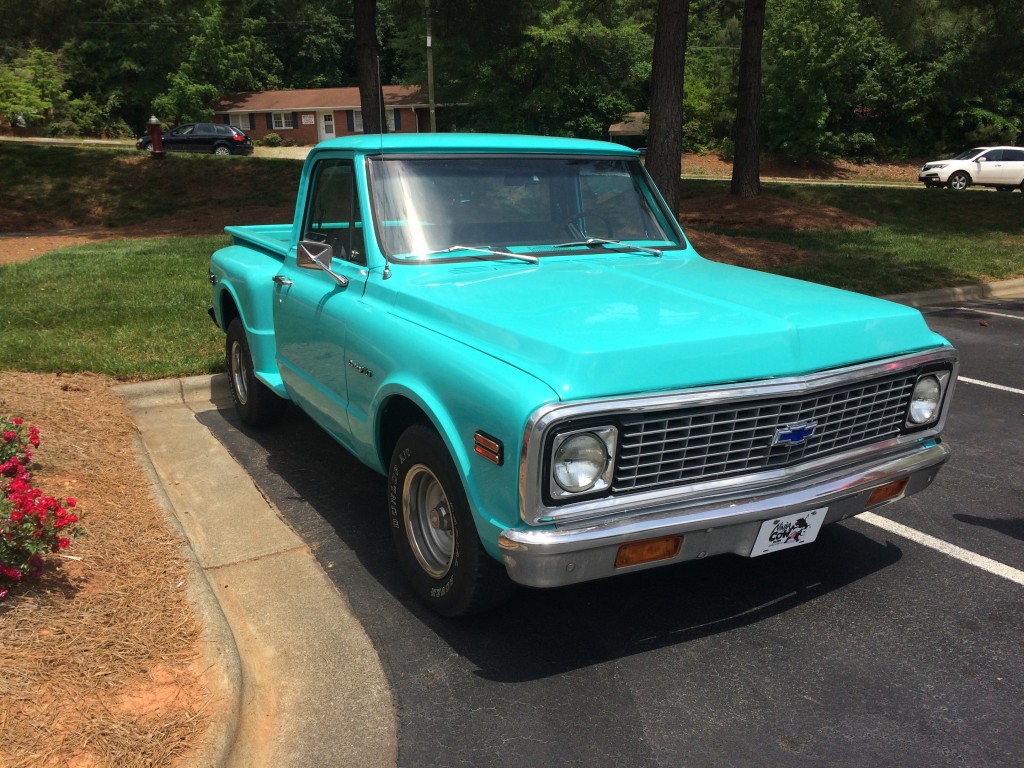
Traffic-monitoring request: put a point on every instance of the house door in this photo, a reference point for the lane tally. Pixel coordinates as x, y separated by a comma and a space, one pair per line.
326, 126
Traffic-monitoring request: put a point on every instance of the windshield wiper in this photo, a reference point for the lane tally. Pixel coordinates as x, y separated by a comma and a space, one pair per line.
527, 257
592, 241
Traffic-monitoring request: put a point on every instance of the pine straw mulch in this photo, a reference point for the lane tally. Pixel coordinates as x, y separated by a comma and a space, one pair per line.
100, 659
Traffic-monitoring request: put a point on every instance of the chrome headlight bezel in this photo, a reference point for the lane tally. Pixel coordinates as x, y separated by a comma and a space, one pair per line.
601, 441
927, 399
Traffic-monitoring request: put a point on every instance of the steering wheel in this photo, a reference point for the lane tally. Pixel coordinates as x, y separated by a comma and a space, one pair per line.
580, 226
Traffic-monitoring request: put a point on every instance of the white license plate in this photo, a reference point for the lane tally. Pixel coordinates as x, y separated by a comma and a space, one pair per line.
787, 532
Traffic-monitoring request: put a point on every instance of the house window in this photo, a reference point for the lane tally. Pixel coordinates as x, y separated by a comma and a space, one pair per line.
240, 120
282, 120
390, 112
357, 121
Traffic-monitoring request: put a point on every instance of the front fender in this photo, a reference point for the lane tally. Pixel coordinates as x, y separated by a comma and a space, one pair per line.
461, 391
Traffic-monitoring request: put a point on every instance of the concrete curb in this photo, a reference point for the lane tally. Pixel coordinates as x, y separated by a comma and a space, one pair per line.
221, 662
1003, 289
300, 681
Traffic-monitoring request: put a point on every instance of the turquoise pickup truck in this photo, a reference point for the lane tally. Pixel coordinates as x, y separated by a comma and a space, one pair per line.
516, 332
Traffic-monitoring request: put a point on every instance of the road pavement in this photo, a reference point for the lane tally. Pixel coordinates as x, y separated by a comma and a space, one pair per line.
878, 645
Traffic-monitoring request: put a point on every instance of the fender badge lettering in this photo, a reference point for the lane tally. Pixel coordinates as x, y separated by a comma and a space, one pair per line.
362, 369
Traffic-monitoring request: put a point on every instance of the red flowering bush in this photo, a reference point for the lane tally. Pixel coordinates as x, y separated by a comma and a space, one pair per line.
31, 524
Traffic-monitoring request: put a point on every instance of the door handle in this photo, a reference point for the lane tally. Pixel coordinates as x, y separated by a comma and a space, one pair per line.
282, 280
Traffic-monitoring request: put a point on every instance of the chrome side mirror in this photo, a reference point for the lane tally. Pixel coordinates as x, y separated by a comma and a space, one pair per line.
313, 255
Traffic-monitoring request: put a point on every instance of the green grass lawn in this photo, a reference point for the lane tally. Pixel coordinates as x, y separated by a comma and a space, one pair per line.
59, 186
924, 239
131, 309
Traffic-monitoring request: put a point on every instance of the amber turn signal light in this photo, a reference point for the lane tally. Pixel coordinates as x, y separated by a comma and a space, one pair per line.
648, 551
887, 492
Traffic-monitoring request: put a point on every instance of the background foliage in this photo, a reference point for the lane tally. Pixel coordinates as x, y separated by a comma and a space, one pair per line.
860, 79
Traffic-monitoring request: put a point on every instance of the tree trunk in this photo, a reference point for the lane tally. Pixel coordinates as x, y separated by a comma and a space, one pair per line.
371, 96
746, 166
665, 133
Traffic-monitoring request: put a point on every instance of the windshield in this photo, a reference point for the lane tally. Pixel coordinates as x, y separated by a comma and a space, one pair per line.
968, 154
444, 207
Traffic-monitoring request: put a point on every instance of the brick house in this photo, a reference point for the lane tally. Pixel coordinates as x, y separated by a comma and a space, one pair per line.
312, 115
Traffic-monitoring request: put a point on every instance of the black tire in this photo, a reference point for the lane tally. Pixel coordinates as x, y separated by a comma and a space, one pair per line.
1005, 188
432, 527
222, 149
255, 402
959, 181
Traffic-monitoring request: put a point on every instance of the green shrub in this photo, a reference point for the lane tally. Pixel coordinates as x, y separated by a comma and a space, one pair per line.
272, 140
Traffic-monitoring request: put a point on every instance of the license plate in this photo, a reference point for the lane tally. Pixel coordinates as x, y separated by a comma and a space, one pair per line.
787, 532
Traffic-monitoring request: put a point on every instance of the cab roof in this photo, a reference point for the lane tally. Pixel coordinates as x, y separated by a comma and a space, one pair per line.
471, 142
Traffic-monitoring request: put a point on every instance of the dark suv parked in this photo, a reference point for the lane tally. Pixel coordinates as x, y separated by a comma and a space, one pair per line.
201, 137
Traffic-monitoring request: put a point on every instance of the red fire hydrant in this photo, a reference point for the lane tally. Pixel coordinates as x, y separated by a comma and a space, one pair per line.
156, 138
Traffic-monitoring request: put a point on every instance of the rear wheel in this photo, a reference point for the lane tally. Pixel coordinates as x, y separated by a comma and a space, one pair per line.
220, 149
433, 530
959, 181
255, 402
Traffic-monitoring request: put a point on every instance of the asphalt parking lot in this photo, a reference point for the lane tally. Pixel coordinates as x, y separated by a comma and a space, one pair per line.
873, 647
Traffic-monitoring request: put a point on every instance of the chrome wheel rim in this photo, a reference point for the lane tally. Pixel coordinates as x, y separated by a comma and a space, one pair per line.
238, 373
428, 521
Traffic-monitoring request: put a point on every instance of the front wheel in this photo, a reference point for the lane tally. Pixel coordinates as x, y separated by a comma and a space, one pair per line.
255, 403
432, 527
959, 181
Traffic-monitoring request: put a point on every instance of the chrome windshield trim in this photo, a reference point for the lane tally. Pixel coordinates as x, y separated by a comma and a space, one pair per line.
532, 471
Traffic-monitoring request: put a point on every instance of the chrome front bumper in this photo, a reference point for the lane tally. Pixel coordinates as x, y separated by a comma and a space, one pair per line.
581, 552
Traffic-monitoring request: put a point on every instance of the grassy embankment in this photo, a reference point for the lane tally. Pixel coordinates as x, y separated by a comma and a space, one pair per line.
136, 308
924, 239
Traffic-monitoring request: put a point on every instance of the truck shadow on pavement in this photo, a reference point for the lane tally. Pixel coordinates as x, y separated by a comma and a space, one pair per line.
338, 507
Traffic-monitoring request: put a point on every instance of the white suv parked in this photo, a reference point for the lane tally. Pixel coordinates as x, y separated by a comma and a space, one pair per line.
999, 167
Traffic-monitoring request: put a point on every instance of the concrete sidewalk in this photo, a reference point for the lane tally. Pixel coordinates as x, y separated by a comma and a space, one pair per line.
295, 679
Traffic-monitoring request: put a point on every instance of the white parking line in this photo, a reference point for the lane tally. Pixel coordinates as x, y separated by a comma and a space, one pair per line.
964, 555
981, 383
987, 312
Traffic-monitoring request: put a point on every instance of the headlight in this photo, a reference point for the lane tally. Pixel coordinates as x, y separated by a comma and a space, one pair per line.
583, 461
924, 404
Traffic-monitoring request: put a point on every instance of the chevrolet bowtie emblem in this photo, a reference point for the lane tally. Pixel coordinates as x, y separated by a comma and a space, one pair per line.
794, 434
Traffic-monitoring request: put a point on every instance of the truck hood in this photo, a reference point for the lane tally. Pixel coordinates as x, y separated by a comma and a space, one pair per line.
619, 324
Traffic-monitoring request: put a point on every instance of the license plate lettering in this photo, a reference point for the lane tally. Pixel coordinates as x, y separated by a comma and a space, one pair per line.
788, 532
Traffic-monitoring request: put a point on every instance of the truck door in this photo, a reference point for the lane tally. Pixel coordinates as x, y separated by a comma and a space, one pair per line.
313, 308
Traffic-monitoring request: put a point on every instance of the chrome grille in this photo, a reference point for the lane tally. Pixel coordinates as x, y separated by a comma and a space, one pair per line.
697, 444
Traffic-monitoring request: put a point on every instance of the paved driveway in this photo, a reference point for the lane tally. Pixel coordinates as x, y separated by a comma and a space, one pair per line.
876, 646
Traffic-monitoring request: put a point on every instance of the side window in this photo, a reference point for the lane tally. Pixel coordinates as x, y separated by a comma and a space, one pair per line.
332, 210
1013, 155
993, 156
204, 129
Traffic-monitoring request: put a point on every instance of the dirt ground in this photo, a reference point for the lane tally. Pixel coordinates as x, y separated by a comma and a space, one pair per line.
100, 659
